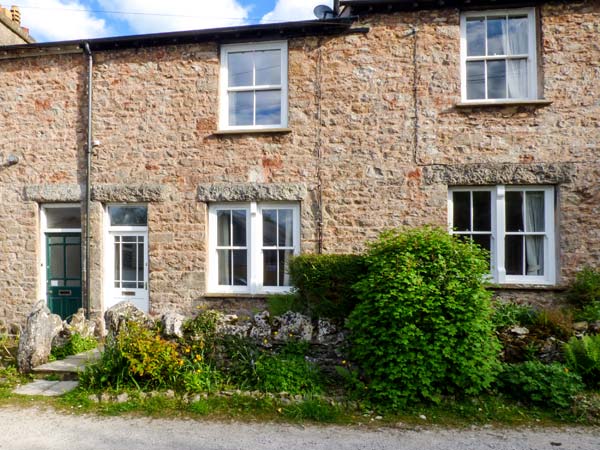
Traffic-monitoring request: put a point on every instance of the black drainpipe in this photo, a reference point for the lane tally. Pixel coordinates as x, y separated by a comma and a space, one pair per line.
88, 181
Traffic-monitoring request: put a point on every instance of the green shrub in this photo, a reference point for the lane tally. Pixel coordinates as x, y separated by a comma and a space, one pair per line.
287, 373
324, 283
510, 314
586, 287
238, 360
422, 328
589, 312
583, 356
553, 322
540, 384
279, 304
76, 344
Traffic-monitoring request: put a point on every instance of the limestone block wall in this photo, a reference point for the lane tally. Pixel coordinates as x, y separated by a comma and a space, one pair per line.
376, 139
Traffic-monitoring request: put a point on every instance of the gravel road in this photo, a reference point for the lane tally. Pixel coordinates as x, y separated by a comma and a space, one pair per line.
33, 428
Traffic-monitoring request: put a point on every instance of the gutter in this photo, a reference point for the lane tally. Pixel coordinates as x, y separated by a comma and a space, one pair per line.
88, 174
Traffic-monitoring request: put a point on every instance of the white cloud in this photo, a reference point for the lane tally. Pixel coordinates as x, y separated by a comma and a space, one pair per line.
177, 15
289, 10
51, 20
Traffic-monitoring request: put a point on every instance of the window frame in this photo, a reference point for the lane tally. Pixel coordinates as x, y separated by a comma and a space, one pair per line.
254, 245
224, 89
532, 58
497, 257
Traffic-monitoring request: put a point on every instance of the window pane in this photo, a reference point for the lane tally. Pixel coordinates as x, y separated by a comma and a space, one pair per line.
269, 227
483, 240
496, 79
128, 215
223, 228
535, 211
496, 36
69, 217
516, 76
73, 261
240, 68
270, 267
284, 261
55, 239
140, 262
117, 261
224, 262
461, 202
514, 211
72, 239
475, 80
476, 36
57, 261
482, 211
268, 67
240, 267
286, 230
73, 283
513, 253
534, 250
268, 107
129, 258
129, 284
239, 227
241, 108
518, 32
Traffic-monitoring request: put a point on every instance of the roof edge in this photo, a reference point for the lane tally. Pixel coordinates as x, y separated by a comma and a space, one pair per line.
227, 34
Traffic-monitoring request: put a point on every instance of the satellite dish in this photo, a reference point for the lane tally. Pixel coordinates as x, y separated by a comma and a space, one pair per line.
324, 12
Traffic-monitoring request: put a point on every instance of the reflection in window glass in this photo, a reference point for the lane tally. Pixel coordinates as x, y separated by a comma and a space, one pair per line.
67, 217
128, 215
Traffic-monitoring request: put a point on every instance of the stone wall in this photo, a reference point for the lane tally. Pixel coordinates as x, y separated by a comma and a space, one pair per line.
354, 133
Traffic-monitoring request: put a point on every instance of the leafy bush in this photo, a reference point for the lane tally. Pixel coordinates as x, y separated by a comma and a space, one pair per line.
509, 314
540, 384
422, 328
589, 313
76, 344
553, 322
324, 283
583, 356
279, 304
586, 287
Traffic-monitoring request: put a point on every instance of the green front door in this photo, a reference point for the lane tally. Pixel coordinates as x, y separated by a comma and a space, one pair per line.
63, 273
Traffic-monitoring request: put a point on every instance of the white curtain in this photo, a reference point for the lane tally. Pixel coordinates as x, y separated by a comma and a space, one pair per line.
534, 209
516, 69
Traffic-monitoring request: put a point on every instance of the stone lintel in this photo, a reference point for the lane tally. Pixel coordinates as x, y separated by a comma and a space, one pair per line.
499, 173
247, 192
125, 193
54, 193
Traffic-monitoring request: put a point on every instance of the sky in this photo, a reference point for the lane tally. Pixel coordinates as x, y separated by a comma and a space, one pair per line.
58, 20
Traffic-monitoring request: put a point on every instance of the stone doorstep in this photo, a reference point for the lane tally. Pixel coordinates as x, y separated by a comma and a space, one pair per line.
46, 388
72, 364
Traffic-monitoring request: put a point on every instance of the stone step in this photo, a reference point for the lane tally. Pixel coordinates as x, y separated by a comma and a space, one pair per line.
70, 365
46, 388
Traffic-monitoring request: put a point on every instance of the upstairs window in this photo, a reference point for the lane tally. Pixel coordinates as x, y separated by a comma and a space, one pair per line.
498, 55
253, 86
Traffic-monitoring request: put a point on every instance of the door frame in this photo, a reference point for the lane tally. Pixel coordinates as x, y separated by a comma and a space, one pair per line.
108, 253
43, 278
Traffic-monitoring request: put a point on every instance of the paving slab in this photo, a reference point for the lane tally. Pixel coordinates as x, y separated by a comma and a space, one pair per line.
46, 388
71, 364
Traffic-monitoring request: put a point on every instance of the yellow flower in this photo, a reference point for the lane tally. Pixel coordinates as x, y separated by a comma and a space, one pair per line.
181, 362
279, 410
566, 370
187, 349
344, 362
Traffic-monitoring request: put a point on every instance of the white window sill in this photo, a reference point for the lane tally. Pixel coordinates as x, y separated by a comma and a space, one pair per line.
254, 131
526, 287
241, 295
524, 102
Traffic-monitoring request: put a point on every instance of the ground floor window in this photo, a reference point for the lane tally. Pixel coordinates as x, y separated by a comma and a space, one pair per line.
250, 245
514, 223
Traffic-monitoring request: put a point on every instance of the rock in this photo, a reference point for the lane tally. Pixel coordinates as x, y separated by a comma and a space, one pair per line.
173, 324
36, 340
261, 329
580, 326
519, 331
100, 327
328, 333
122, 398
294, 325
117, 316
595, 327
80, 325
105, 397
93, 398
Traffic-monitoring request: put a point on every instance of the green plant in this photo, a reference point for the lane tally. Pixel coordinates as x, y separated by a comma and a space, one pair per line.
586, 287
279, 304
507, 314
287, 372
583, 356
589, 312
202, 332
76, 344
238, 361
324, 283
313, 409
540, 384
553, 322
422, 328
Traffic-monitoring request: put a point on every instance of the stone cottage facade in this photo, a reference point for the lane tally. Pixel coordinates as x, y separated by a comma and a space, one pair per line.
217, 154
